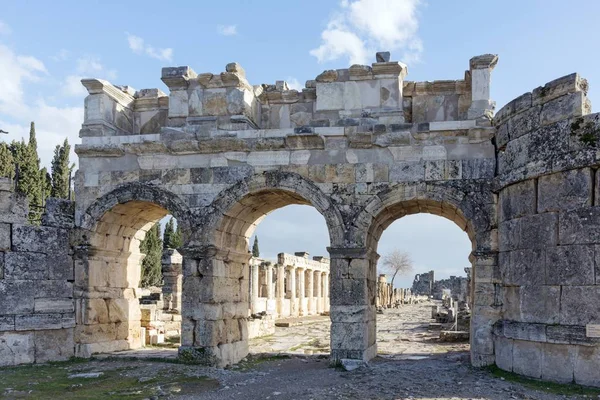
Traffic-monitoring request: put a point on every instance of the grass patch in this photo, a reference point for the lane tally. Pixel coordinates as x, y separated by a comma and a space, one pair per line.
51, 381
255, 360
549, 387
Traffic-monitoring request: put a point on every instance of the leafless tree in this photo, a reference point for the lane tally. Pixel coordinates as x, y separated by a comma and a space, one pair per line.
396, 262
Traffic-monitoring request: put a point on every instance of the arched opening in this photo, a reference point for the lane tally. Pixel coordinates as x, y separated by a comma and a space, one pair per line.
109, 267
216, 293
472, 209
289, 275
423, 310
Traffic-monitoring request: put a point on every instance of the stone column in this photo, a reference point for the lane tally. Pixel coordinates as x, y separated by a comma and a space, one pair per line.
293, 305
172, 279
280, 288
326, 292
254, 289
271, 303
481, 74
301, 292
320, 299
353, 309
310, 292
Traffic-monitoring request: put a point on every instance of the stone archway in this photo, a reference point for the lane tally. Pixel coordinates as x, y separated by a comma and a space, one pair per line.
215, 289
471, 206
108, 261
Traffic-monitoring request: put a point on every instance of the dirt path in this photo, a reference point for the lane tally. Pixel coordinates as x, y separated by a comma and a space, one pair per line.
411, 365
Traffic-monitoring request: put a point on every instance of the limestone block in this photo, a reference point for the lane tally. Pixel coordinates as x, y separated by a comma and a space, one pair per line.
532, 232
20, 265
580, 226
524, 122
480, 83
483, 168
407, 171
559, 87
428, 108
370, 172
504, 353
123, 310
53, 305
210, 333
17, 296
570, 265
579, 305
587, 366
54, 345
540, 304
564, 107
231, 174
567, 190
4, 237
16, 348
215, 102
7, 323
86, 350
239, 101
527, 358
196, 97
390, 93
362, 94
435, 170
14, 207
349, 336
44, 321
558, 362
523, 267
178, 104
517, 200
95, 311
95, 333
349, 291
269, 158
40, 239
330, 96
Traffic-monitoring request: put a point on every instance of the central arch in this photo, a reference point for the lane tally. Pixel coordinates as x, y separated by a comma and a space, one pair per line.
215, 288
472, 206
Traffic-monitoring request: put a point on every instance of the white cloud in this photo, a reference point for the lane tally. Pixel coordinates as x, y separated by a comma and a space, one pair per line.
294, 84
139, 46
53, 123
362, 27
61, 55
227, 30
4, 28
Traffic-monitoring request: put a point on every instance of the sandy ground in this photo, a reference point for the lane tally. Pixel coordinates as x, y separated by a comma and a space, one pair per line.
412, 364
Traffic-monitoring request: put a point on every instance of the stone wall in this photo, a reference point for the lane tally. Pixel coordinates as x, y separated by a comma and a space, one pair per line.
37, 315
456, 285
549, 221
423, 283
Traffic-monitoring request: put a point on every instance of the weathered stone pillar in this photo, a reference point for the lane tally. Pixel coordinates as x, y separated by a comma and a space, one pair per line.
172, 271
353, 309
320, 301
280, 288
481, 76
310, 292
214, 306
271, 303
301, 292
293, 305
254, 288
326, 292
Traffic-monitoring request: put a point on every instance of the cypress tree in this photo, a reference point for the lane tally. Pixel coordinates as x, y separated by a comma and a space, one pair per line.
46, 182
26, 158
176, 239
61, 171
168, 234
7, 162
255, 250
151, 265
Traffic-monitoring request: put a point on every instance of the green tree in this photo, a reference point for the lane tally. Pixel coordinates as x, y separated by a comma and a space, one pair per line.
46, 182
7, 162
61, 171
26, 158
177, 239
255, 250
151, 246
168, 234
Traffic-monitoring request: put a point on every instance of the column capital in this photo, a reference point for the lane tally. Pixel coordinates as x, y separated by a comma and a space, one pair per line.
484, 61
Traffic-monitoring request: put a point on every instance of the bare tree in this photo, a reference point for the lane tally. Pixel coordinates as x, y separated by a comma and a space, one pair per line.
397, 262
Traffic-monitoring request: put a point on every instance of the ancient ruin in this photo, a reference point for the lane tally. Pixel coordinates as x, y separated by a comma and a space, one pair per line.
362, 145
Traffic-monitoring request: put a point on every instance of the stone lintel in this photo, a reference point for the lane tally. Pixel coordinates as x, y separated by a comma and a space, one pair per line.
390, 68
177, 77
352, 252
100, 86
484, 61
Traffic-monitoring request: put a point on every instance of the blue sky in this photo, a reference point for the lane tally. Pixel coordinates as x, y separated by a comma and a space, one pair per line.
46, 47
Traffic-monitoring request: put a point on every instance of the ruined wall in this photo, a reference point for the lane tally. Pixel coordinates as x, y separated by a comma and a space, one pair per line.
549, 231
458, 286
423, 284
37, 318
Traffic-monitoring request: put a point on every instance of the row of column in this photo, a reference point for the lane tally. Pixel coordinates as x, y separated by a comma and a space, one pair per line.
291, 284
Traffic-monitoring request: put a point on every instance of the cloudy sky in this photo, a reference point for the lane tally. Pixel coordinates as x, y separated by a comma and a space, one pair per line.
47, 47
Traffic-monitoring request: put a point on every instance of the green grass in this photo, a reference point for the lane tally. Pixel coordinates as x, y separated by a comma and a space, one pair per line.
549, 387
51, 381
